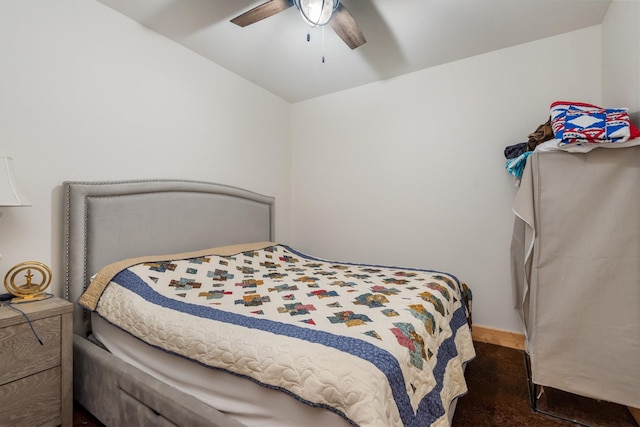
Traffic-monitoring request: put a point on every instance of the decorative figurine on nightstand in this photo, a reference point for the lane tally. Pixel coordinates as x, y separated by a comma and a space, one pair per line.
31, 290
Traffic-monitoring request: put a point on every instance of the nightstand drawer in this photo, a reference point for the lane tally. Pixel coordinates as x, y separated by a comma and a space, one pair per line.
20, 352
36, 381
40, 392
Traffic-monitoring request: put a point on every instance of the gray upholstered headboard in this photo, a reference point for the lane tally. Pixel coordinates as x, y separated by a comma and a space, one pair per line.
109, 221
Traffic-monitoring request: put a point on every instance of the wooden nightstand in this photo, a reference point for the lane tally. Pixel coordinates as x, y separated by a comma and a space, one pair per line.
36, 381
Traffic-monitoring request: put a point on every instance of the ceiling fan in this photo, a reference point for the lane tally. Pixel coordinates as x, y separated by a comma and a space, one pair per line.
314, 12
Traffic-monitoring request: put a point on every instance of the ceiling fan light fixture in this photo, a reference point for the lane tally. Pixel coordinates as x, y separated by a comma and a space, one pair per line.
317, 12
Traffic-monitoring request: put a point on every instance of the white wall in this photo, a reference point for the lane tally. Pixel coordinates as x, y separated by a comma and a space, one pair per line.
88, 94
410, 171
621, 56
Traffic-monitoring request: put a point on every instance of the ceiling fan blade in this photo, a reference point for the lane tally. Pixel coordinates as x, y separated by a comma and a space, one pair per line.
261, 12
346, 28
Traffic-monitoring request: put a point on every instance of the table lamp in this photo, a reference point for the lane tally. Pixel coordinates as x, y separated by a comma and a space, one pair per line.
10, 193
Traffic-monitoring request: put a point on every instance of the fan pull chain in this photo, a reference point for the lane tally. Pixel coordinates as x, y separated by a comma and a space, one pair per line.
309, 39
323, 44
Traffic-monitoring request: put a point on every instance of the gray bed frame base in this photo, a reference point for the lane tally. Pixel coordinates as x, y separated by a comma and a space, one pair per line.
108, 221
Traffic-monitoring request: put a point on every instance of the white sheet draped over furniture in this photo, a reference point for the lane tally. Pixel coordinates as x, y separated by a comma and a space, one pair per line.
576, 271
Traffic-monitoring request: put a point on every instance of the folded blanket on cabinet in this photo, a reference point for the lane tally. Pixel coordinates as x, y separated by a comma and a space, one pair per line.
582, 123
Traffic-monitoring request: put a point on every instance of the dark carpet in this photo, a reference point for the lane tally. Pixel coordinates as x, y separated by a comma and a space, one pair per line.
498, 397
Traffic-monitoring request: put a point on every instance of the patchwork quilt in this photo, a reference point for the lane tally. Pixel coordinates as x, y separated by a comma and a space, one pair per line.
380, 346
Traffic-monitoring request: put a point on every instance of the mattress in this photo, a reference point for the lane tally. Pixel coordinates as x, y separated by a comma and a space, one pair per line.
372, 345
238, 397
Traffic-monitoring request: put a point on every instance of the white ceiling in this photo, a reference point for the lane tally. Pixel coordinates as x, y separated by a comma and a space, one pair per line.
402, 36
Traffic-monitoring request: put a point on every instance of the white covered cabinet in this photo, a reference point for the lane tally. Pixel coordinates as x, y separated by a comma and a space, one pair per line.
575, 259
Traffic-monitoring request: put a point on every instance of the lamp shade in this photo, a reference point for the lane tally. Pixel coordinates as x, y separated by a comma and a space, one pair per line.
10, 194
317, 12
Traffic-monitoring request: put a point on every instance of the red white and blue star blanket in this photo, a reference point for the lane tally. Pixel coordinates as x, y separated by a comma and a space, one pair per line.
380, 346
582, 123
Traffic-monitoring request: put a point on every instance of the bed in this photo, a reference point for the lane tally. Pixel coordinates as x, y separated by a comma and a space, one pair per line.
247, 331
